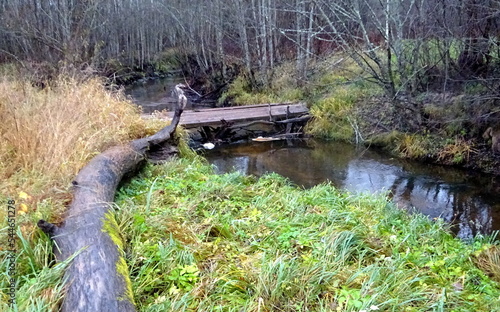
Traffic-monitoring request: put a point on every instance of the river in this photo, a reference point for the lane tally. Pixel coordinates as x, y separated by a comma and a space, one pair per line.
154, 94
467, 200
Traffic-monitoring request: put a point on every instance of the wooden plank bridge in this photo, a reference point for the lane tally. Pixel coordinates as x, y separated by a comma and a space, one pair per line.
237, 114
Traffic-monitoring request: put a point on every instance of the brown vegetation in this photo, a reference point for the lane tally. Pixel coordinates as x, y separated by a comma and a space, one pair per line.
49, 134
98, 273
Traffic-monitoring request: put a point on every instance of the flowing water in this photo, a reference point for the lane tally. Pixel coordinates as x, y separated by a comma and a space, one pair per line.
467, 200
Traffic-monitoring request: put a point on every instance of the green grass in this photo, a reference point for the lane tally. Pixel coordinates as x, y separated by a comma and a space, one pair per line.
40, 287
335, 86
334, 116
240, 92
203, 242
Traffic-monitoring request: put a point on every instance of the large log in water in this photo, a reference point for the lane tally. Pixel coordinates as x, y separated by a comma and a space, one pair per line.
97, 279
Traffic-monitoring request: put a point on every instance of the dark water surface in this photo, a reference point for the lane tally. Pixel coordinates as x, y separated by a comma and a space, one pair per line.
467, 200
154, 94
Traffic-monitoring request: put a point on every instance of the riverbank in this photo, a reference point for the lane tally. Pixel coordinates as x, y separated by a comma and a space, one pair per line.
232, 242
48, 134
435, 127
464, 199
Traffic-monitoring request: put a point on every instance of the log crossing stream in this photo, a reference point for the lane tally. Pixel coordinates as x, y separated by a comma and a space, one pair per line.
263, 112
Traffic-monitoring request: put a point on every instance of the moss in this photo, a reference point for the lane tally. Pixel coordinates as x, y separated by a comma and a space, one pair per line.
122, 269
111, 228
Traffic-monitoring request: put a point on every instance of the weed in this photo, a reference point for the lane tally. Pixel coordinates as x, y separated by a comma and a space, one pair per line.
40, 281
412, 146
332, 115
50, 134
488, 259
47, 136
241, 92
184, 278
456, 152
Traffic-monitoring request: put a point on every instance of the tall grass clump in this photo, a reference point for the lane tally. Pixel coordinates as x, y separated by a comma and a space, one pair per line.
334, 116
244, 91
205, 242
336, 91
51, 133
40, 280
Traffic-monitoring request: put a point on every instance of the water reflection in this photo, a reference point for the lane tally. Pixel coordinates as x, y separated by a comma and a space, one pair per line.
466, 200
154, 94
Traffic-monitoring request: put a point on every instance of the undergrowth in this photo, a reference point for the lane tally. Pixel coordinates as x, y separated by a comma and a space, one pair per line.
203, 242
50, 133
333, 115
348, 105
242, 92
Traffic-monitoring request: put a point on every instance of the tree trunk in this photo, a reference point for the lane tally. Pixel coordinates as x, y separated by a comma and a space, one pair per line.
240, 13
98, 279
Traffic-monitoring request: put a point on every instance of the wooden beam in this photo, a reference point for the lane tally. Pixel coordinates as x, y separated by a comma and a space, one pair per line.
214, 117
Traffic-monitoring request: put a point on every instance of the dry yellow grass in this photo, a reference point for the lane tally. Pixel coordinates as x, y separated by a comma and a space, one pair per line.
48, 135
489, 261
456, 152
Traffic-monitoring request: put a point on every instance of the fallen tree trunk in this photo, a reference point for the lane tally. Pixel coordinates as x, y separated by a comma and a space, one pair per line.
97, 278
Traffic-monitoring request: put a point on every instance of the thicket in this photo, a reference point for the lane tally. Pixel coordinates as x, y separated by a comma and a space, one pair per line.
405, 46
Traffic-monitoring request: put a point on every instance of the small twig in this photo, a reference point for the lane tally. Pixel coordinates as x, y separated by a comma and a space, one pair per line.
189, 87
354, 125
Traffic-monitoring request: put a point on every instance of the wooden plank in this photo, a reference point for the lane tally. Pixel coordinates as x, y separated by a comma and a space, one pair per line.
244, 107
213, 116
